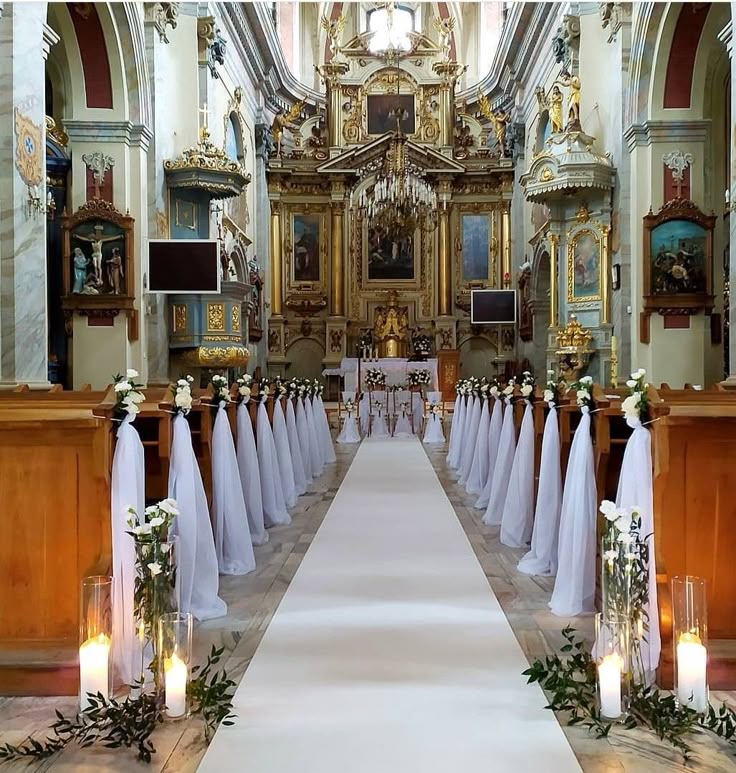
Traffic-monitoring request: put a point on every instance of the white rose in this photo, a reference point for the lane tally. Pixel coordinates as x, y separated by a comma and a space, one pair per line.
623, 523
630, 406
135, 397
131, 373
244, 391
586, 380
169, 506
122, 386
609, 510
155, 568
182, 382
582, 394
641, 373
526, 389
183, 400
165, 547
132, 409
151, 509
157, 521
509, 390
625, 538
631, 383
190, 379
549, 396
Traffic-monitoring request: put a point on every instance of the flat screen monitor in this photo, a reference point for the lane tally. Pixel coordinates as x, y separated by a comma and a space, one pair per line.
493, 307
181, 266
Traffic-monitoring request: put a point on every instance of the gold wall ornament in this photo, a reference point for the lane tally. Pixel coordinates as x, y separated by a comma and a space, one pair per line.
215, 317
582, 215
235, 318
29, 150
179, 315
216, 357
444, 28
429, 126
574, 347
56, 133
337, 274
546, 174
352, 129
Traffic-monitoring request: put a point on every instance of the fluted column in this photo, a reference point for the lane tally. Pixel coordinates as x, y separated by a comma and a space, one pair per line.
506, 244
445, 278
337, 248
276, 260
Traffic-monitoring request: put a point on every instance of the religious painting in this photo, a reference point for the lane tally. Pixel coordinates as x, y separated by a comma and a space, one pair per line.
584, 267
380, 107
388, 259
305, 257
678, 258
476, 247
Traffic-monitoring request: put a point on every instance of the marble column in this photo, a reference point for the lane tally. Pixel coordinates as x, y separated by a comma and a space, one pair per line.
25, 39
262, 236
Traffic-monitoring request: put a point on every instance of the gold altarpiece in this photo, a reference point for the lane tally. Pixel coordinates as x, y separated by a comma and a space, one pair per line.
328, 279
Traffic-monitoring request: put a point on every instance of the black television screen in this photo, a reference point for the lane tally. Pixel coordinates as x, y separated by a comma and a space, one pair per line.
183, 266
493, 307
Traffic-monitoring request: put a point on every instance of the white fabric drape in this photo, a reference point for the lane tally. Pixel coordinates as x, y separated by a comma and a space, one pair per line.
283, 454
301, 481
454, 433
197, 571
365, 412
349, 432
494, 438
458, 424
250, 477
315, 447
379, 426
635, 490
574, 592
323, 427
470, 438
302, 430
403, 421
518, 510
542, 558
127, 490
433, 432
229, 517
479, 467
274, 506
502, 469
416, 410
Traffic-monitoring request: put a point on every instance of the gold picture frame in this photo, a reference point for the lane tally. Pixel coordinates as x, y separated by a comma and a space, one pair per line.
381, 269
305, 249
586, 260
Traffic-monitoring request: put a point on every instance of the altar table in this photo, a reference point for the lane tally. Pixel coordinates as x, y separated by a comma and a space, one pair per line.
395, 368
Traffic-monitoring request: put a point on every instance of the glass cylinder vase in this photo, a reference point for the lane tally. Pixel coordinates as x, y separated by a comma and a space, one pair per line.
690, 641
612, 653
95, 638
156, 594
175, 661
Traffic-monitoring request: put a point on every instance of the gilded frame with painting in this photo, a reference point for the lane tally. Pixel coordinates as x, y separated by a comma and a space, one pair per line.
585, 258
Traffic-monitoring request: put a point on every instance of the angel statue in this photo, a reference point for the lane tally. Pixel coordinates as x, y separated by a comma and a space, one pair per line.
500, 122
571, 82
282, 121
444, 29
333, 28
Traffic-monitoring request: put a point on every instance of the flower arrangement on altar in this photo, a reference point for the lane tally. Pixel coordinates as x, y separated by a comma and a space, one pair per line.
422, 346
636, 404
583, 391
244, 384
527, 385
419, 377
183, 395
375, 377
397, 388
128, 395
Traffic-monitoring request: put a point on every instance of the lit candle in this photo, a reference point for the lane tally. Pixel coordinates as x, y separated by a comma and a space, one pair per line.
609, 684
176, 686
692, 690
94, 657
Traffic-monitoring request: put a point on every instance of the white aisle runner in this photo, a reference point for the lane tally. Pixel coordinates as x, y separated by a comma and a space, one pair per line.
389, 652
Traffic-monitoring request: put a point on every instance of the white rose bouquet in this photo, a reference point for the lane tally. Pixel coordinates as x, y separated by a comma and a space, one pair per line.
264, 388
375, 377
527, 385
583, 391
508, 391
350, 407
183, 395
552, 388
244, 384
419, 377
128, 394
636, 404
220, 390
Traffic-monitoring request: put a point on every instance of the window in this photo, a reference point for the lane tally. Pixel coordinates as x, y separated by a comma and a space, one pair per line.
391, 28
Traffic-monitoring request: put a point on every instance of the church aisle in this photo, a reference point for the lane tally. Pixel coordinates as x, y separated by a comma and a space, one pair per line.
389, 650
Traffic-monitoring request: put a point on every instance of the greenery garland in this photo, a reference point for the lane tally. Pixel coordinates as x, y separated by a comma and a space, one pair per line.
571, 683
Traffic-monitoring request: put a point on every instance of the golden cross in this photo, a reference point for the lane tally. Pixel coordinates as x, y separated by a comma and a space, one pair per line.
203, 110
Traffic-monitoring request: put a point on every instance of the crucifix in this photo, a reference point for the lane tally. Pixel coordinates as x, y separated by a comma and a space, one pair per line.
204, 132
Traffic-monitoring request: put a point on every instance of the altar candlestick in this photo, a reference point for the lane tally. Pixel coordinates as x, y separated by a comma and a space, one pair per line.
609, 682
94, 658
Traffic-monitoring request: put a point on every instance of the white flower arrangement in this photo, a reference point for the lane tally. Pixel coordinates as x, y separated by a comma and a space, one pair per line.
419, 377
552, 388
375, 377
349, 407
244, 384
636, 405
128, 395
508, 391
220, 389
183, 395
583, 391
527, 384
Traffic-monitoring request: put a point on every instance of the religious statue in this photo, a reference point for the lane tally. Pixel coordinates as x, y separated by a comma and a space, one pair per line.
80, 270
500, 121
444, 29
114, 272
333, 28
571, 82
97, 241
391, 326
283, 121
554, 107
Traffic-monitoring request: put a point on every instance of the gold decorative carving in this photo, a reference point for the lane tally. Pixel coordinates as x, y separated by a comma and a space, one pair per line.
546, 175
215, 317
352, 128
235, 319
29, 152
179, 313
429, 125
216, 356
582, 233
573, 348
57, 134
582, 215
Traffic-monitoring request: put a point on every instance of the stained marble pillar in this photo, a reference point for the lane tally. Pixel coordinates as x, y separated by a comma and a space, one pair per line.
25, 39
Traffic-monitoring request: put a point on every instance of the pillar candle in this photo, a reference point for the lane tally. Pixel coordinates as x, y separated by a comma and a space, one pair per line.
176, 686
609, 685
692, 689
94, 658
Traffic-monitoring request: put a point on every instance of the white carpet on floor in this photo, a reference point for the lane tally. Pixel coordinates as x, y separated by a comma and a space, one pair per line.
389, 652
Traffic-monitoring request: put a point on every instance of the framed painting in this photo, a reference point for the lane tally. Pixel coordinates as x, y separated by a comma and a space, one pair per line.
678, 258
584, 265
306, 241
379, 108
476, 247
388, 260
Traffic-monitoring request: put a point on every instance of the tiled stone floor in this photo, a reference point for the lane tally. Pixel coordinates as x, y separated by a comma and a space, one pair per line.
252, 601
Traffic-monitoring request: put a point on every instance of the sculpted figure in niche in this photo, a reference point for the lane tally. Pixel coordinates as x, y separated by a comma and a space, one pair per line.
114, 272
97, 241
554, 106
572, 82
80, 271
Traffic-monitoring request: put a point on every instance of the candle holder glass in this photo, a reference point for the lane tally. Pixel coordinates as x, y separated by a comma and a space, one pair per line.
690, 641
95, 638
613, 666
175, 661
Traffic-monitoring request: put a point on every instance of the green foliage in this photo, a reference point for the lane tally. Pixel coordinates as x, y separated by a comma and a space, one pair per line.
210, 694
